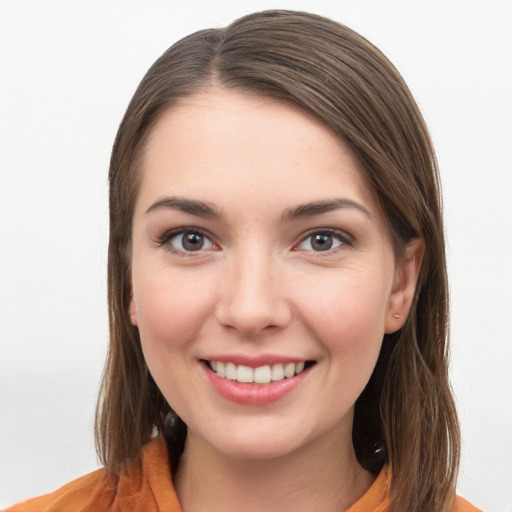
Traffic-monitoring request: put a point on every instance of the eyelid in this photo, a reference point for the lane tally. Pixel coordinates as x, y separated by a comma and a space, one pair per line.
164, 239
343, 237
167, 236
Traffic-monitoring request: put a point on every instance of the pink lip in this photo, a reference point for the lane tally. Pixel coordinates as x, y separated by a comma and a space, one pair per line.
253, 394
254, 362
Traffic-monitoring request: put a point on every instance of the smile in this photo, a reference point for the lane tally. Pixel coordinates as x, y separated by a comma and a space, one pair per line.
261, 375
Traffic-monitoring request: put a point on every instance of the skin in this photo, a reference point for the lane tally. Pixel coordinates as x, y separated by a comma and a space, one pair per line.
259, 287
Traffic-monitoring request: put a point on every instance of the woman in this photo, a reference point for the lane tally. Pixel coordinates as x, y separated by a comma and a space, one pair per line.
277, 285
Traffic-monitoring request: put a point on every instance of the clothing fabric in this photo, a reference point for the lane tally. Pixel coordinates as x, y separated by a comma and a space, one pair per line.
146, 486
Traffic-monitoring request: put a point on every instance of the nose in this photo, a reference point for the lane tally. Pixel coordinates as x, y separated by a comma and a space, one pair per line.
252, 298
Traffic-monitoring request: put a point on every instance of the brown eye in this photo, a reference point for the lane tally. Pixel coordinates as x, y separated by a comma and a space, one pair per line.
190, 241
322, 241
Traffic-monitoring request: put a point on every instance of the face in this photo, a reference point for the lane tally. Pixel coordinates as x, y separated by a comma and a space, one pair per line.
263, 276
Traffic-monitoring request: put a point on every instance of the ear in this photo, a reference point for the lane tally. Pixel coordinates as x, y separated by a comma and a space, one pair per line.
404, 285
133, 309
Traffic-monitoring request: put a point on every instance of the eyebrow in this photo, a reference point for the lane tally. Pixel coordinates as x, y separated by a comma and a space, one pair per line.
192, 206
204, 209
318, 207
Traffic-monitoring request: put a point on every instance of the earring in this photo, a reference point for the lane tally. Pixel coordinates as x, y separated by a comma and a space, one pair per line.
397, 316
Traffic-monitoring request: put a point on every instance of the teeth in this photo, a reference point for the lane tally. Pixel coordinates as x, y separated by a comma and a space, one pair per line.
260, 375
277, 372
244, 374
221, 369
289, 370
231, 371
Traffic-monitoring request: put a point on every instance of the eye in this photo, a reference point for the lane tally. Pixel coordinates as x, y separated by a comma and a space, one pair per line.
322, 241
188, 240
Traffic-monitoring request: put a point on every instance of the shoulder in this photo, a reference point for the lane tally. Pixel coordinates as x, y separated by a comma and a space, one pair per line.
462, 505
378, 497
95, 491
146, 484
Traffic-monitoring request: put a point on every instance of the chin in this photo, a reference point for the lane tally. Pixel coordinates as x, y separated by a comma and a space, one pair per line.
257, 450
248, 443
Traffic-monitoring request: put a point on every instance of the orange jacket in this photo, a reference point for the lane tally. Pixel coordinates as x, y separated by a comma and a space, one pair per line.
146, 486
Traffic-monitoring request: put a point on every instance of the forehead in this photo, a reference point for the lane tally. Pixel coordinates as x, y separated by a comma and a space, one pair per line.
221, 143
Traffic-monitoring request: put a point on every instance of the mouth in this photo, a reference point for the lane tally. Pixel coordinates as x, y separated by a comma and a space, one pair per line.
265, 374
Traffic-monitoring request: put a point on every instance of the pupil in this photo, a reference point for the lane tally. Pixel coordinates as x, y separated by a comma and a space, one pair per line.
193, 241
322, 242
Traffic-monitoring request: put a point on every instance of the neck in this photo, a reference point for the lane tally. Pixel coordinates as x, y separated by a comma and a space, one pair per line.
324, 475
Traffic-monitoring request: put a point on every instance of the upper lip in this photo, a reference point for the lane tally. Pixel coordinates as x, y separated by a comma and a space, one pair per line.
255, 361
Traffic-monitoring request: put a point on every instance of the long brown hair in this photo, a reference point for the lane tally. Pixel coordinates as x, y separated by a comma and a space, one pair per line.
405, 417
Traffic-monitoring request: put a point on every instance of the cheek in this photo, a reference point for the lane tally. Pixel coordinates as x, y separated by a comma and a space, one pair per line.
171, 309
352, 306
347, 318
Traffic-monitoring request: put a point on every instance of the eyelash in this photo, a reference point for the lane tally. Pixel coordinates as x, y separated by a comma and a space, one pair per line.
343, 238
167, 237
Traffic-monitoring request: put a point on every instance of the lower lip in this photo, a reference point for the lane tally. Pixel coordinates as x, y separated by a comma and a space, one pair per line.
254, 394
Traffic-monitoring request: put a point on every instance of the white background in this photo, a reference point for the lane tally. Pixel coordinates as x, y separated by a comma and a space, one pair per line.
67, 71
